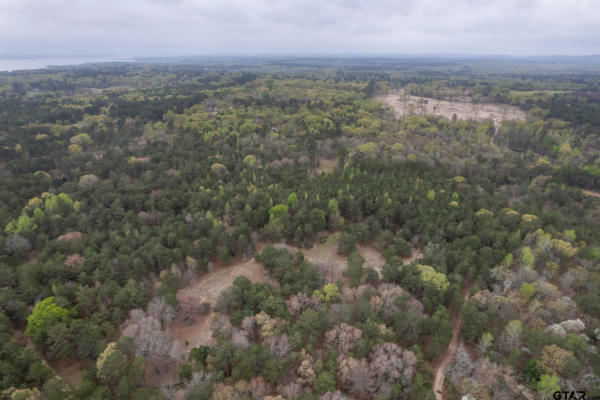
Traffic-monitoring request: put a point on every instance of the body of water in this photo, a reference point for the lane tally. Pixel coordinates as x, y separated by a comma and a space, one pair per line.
17, 64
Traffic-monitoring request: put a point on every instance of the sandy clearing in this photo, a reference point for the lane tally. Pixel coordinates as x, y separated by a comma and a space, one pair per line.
405, 105
415, 255
210, 286
327, 166
324, 256
373, 258
591, 193
332, 265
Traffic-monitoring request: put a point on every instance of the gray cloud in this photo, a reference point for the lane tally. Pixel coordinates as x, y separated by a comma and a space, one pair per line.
193, 27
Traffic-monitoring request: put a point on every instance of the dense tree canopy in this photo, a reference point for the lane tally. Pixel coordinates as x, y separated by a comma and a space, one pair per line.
122, 185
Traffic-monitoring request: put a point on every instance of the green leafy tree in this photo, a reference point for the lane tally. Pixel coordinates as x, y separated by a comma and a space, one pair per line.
547, 385
330, 293
346, 243
277, 211
527, 292
485, 342
325, 382
23, 224
527, 257
430, 276
291, 200
355, 268
45, 314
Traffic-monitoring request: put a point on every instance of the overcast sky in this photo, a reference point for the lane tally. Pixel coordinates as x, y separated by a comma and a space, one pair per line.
199, 27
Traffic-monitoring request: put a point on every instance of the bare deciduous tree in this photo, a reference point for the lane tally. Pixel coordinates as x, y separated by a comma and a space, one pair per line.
190, 307
359, 380
298, 303
239, 339
463, 366
151, 342
279, 345
161, 310
390, 364
306, 373
337, 395
343, 336
291, 390
258, 388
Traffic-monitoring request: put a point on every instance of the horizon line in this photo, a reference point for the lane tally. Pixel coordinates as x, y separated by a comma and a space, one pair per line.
299, 54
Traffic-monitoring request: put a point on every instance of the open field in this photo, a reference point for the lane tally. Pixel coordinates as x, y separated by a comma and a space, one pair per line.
405, 105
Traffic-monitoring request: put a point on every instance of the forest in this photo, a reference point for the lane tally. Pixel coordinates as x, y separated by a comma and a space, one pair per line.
243, 229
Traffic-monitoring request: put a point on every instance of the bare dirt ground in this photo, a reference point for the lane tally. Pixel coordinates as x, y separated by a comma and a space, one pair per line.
327, 166
373, 258
414, 256
333, 265
405, 105
440, 371
68, 370
590, 193
199, 332
210, 286
323, 255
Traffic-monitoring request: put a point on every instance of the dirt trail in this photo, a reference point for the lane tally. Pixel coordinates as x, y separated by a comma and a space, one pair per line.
65, 369
493, 137
440, 372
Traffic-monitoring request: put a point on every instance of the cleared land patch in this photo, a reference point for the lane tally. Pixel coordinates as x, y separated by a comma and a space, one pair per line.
405, 105
327, 166
590, 193
534, 92
209, 286
69, 370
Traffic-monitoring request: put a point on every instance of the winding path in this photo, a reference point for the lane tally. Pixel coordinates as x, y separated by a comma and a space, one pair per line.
440, 372
493, 137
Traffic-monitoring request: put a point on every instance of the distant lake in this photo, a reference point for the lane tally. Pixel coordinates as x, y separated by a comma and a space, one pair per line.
16, 64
